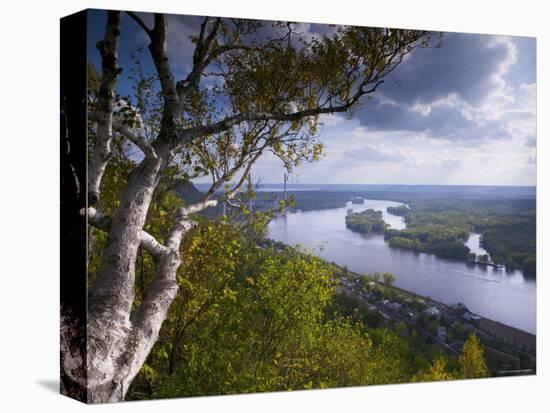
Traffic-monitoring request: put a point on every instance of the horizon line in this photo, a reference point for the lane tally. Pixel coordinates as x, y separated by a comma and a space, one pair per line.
455, 185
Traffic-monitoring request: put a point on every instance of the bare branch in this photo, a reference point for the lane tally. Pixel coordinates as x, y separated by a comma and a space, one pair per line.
136, 138
183, 223
140, 22
231, 194
129, 133
200, 59
153, 310
157, 47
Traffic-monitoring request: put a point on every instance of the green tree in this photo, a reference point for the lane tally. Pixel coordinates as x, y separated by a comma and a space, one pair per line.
437, 371
483, 258
472, 363
389, 279
345, 271
254, 320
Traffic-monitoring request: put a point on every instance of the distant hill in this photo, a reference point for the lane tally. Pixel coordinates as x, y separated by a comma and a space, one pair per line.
414, 191
324, 196
191, 195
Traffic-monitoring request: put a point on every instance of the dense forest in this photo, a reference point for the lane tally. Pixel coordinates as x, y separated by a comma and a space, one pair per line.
438, 239
337, 196
437, 223
366, 221
251, 319
511, 240
507, 227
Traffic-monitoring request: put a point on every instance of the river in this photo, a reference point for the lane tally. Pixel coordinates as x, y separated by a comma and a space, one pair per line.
494, 293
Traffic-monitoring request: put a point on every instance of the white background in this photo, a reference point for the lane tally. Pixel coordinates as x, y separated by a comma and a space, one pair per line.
29, 234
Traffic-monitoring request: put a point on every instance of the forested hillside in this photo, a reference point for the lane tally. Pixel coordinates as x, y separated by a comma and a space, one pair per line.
253, 316
251, 319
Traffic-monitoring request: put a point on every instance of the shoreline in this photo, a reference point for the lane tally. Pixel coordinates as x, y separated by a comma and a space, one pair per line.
522, 340
412, 294
436, 302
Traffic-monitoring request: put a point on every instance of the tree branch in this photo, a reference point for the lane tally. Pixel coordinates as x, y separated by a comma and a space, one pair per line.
188, 135
157, 47
103, 222
101, 153
140, 22
200, 60
183, 223
129, 133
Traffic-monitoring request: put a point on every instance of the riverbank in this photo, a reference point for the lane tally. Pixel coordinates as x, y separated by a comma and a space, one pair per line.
446, 325
524, 339
324, 233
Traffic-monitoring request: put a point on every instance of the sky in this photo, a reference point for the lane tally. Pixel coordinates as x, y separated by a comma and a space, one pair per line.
460, 114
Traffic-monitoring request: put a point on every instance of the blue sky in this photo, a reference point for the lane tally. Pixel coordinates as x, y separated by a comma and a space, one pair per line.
461, 114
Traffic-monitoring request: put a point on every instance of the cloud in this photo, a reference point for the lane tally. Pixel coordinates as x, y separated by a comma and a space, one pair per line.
464, 65
531, 142
331, 119
461, 91
369, 153
463, 113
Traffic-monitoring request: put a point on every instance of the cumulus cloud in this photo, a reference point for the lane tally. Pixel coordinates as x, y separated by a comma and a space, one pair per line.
463, 113
462, 91
463, 65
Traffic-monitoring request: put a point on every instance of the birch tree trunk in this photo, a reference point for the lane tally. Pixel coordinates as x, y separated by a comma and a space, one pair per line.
112, 340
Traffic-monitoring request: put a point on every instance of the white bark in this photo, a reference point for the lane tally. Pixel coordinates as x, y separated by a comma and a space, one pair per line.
131, 134
183, 223
111, 338
73, 381
148, 242
101, 153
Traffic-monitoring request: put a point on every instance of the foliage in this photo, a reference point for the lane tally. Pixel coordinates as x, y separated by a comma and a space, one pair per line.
250, 318
247, 320
400, 210
471, 362
471, 365
437, 371
366, 221
512, 241
440, 226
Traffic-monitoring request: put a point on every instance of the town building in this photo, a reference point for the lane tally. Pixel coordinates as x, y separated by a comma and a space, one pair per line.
433, 312
442, 333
